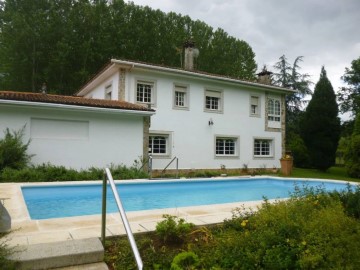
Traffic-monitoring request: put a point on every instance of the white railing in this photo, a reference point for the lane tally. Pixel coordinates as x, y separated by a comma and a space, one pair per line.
108, 177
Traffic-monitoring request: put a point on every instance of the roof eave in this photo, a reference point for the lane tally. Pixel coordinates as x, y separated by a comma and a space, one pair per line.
129, 64
76, 107
97, 79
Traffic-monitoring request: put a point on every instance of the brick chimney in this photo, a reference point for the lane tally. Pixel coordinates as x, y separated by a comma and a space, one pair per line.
190, 54
264, 76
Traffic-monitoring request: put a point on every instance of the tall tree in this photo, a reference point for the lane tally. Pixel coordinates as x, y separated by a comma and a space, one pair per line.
349, 97
289, 76
64, 42
321, 125
352, 153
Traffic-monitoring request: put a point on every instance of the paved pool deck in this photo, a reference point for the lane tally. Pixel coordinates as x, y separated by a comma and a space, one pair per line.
25, 231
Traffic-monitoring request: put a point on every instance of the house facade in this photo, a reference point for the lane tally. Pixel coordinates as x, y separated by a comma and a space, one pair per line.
76, 132
207, 121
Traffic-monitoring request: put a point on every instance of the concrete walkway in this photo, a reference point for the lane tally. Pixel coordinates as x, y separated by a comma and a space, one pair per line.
27, 232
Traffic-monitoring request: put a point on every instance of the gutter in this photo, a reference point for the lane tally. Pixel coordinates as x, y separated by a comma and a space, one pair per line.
75, 108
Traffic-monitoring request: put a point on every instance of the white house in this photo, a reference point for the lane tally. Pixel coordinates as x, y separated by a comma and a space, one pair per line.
76, 132
207, 121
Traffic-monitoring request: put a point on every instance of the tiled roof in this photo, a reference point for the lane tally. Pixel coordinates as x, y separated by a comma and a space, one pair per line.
70, 100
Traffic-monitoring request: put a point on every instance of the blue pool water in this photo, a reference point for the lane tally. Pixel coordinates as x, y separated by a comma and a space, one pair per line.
44, 202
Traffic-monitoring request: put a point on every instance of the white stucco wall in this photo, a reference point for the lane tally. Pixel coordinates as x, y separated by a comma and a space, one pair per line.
99, 91
76, 139
192, 139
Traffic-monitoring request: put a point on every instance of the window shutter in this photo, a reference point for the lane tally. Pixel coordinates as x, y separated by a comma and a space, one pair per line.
180, 89
215, 94
255, 101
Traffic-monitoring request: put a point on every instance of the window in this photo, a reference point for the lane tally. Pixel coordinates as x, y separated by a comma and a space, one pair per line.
263, 148
145, 92
213, 101
274, 109
180, 97
108, 90
226, 147
159, 144
254, 106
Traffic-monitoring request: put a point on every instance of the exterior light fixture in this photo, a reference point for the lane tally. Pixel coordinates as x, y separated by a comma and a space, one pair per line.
211, 122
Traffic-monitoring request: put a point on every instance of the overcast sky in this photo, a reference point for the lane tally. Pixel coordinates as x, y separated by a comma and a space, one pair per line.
325, 32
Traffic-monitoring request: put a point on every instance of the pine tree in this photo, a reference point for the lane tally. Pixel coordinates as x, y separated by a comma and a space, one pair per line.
321, 126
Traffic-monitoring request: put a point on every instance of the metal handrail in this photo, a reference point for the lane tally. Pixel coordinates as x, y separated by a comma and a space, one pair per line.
150, 162
108, 176
177, 166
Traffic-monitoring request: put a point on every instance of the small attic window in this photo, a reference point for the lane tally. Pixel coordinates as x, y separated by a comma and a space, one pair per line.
108, 91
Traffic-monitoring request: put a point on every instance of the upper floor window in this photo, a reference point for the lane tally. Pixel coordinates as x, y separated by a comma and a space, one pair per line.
213, 101
180, 97
145, 92
274, 111
254, 106
108, 91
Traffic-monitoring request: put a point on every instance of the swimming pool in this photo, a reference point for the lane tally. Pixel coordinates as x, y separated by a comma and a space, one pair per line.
44, 202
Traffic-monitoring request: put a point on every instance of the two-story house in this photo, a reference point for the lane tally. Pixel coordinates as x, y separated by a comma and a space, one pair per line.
207, 121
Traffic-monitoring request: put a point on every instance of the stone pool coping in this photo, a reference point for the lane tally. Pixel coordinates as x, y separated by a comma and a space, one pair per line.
25, 231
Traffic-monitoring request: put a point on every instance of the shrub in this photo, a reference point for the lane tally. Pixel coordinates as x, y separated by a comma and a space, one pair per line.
352, 153
350, 199
352, 157
51, 173
185, 260
4, 253
307, 231
13, 150
299, 151
173, 229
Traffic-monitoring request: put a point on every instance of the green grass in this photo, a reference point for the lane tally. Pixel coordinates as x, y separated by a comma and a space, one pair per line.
336, 173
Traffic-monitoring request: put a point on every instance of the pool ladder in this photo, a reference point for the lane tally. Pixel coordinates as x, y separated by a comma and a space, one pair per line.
108, 177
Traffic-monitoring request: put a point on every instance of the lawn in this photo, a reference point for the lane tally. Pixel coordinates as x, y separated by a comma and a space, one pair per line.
336, 173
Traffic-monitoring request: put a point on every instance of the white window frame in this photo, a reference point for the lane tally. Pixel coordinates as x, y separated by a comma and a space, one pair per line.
182, 88
274, 112
214, 94
167, 137
271, 142
150, 83
236, 147
108, 92
257, 112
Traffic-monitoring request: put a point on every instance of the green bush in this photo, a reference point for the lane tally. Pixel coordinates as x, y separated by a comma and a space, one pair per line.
51, 173
352, 153
299, 151
352, 157
13, 150
304, 232
173, 229
4, 253
185, 260
350, 199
